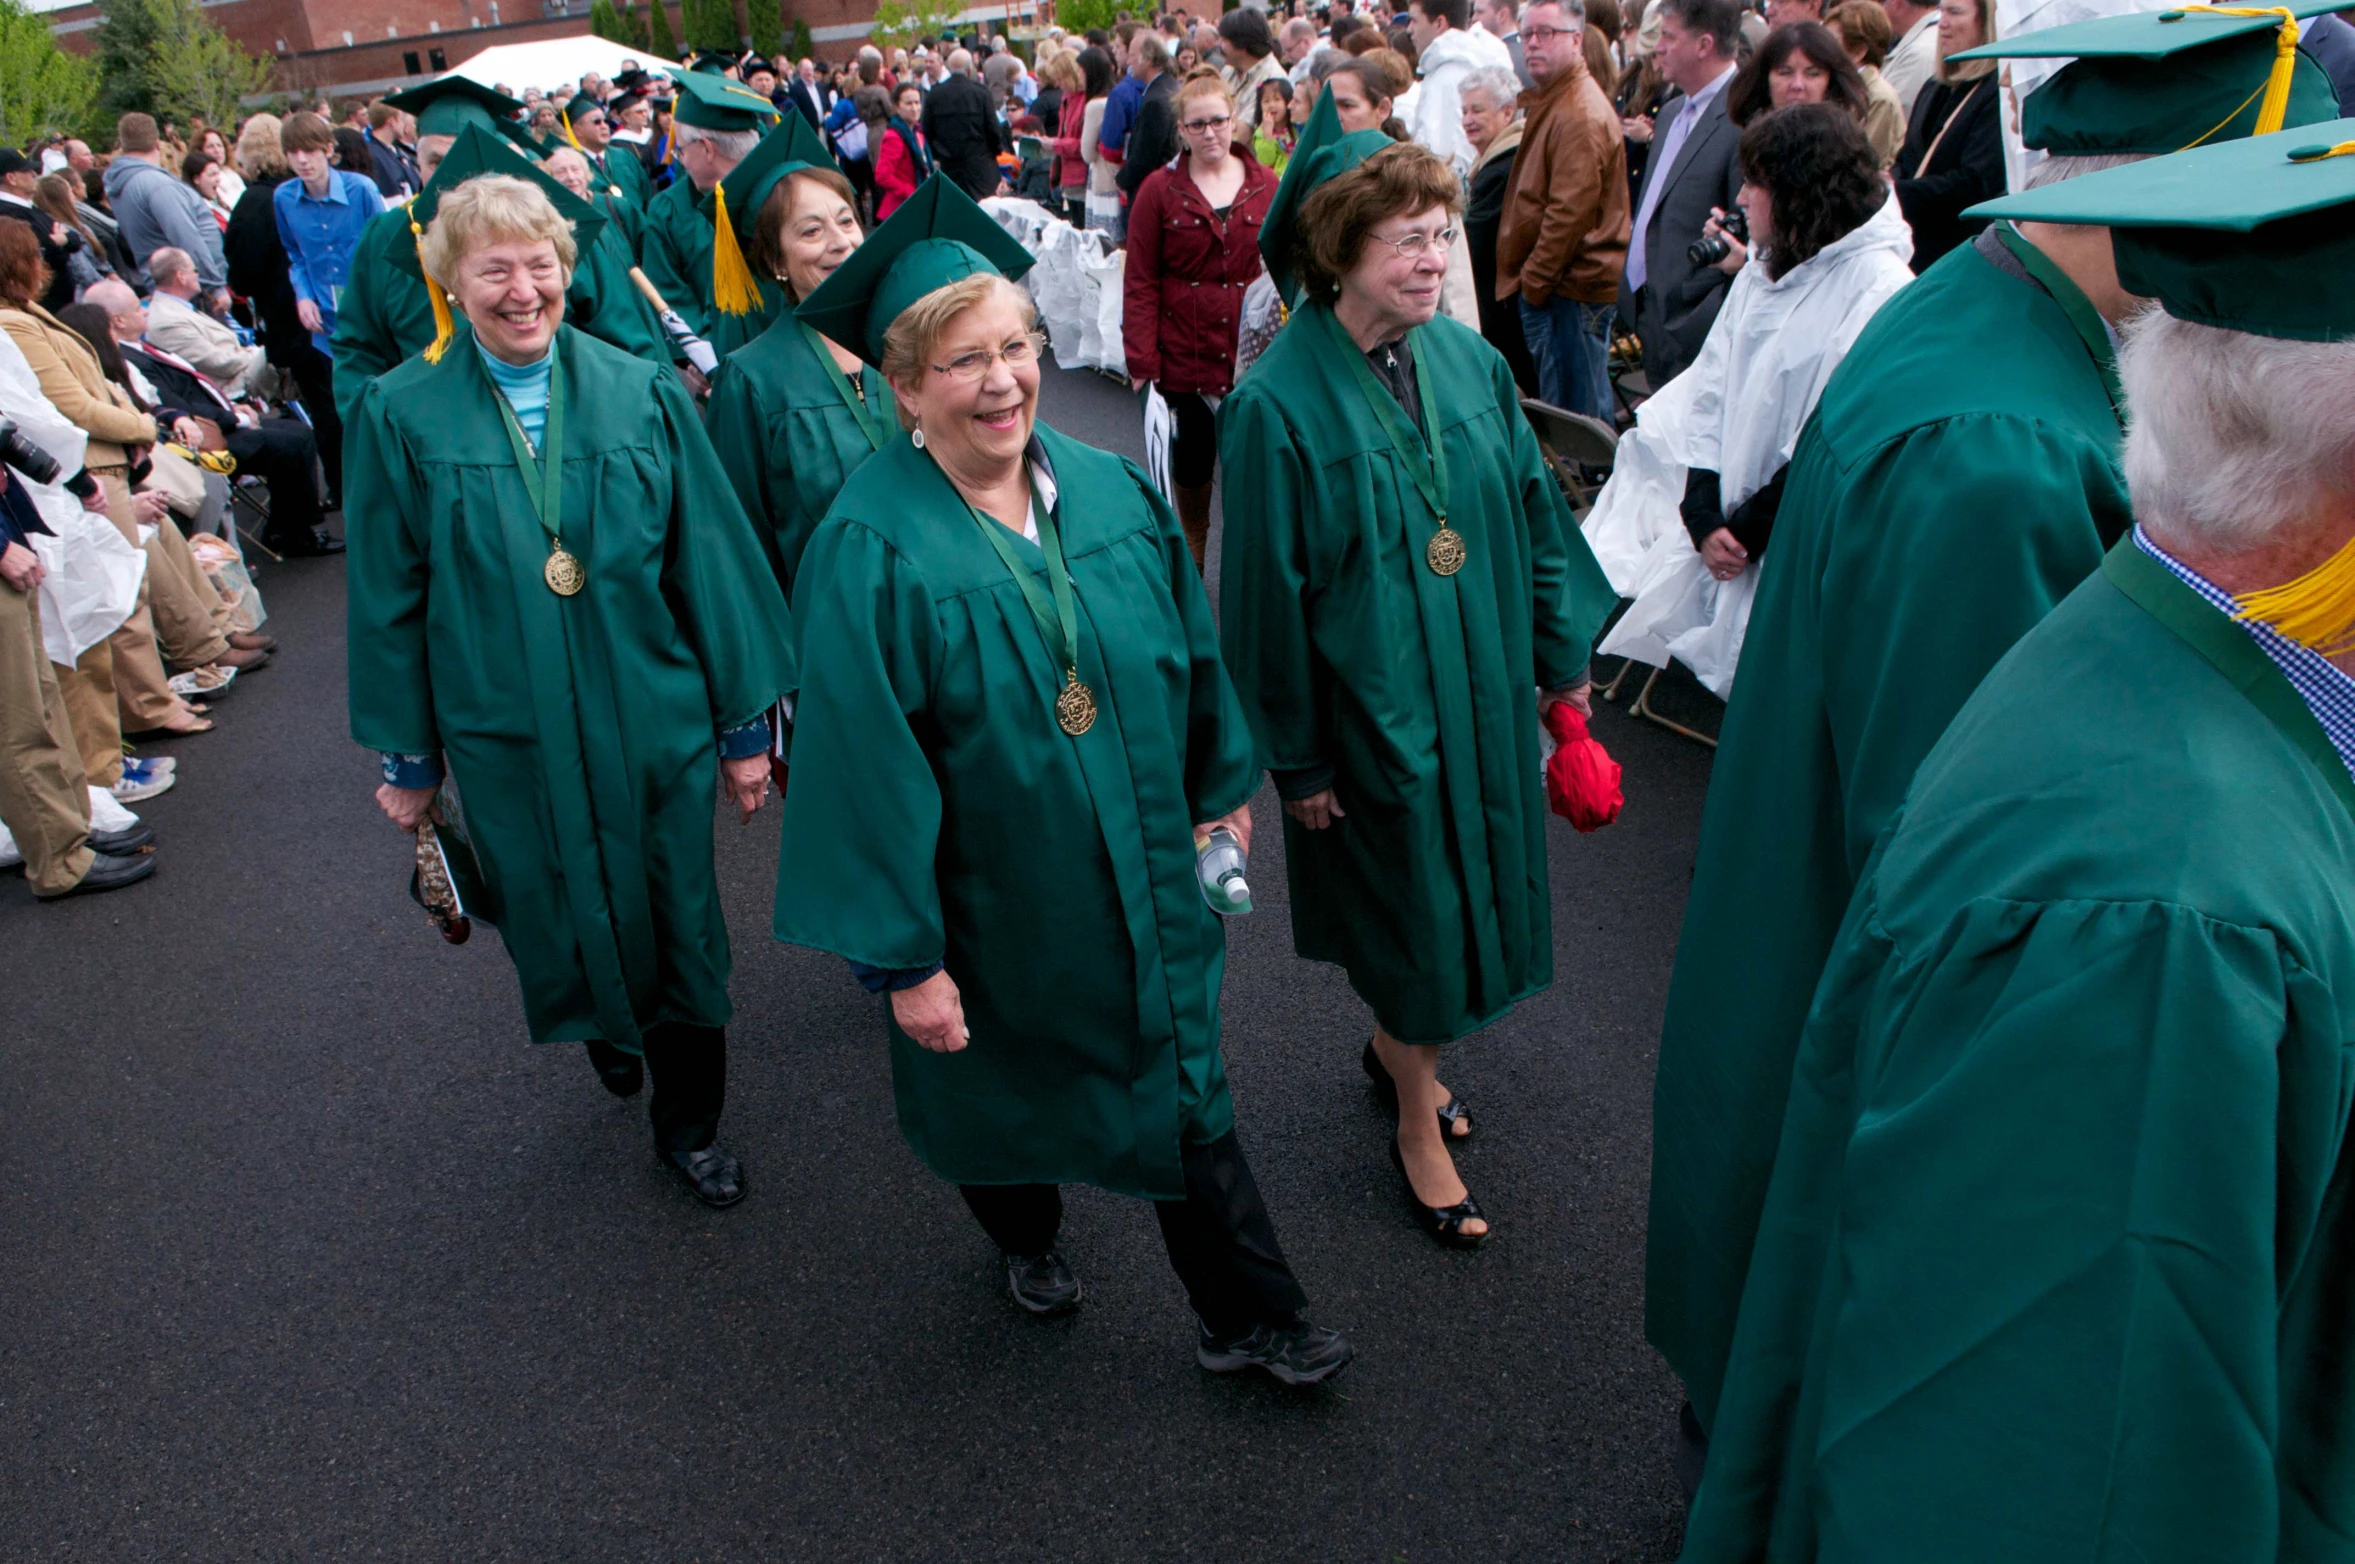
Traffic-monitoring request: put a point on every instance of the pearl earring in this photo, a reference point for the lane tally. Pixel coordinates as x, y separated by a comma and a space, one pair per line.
916, 437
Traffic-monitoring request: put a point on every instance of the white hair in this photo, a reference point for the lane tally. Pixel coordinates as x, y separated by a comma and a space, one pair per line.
734, 145
2230, 436
1498, 85
2052, 170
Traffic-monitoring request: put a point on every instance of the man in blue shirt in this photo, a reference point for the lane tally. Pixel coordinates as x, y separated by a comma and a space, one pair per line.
320, 214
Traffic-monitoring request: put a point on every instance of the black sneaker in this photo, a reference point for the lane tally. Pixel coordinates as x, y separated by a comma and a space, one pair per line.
1042, 1283
1301, 1354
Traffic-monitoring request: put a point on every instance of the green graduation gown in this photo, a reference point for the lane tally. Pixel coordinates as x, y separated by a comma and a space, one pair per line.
1414, 693
1959, 477
580, 730
787, 438
619, 167
938, 812
675, 251
2056, 1261
386, 318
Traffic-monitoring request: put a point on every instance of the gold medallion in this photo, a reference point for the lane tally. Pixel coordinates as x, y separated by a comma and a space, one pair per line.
563, 572
1075, 708
1446, 551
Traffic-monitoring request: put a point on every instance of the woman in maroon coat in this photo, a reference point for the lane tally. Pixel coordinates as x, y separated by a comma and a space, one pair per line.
1193, 247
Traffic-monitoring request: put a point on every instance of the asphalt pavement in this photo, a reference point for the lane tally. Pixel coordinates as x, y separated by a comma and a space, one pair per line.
306, 1254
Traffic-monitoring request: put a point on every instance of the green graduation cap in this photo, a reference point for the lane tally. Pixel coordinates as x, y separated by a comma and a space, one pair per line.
712, 102
936, 237
446, 106
712, 62
2166, 81
1323, 151
795, 145
581, 104
2255, 235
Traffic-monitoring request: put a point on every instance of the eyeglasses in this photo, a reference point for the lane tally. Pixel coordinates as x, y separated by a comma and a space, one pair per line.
1220, 123
974, 365
1541, 34
1414, 246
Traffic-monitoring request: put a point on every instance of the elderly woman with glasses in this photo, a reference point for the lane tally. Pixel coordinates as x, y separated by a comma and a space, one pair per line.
1193, 248
1402, 589
1011, 730
555, 596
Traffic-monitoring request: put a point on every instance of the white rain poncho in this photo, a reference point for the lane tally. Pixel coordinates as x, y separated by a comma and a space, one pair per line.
91, 572
1737, 411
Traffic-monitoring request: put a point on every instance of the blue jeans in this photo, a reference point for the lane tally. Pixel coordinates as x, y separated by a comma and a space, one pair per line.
1571, 343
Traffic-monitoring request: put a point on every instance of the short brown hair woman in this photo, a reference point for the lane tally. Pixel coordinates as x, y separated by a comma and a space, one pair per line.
1193, 247
1400, 572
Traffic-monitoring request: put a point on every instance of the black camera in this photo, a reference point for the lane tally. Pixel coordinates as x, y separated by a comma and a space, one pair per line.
26, 457
1709, 249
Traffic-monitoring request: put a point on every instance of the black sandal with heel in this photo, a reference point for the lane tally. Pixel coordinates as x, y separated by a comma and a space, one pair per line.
1445, 1223
1386, 1090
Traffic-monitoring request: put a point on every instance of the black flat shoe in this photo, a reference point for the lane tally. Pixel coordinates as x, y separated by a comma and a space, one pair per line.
713, 1173
317, 545
1298, 1354
123, 843
1445, 1223
108, 873
1386, 1090
1042, 1283
623, 1074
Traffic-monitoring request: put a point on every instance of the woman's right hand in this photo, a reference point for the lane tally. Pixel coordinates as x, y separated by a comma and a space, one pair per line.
933, 1013
405, 807
1737, 253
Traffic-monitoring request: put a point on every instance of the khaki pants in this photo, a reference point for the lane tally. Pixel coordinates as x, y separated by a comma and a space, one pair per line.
146, 700
96, 718
42, 798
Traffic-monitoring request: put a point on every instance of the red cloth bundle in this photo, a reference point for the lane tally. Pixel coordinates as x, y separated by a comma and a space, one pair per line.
1581, 780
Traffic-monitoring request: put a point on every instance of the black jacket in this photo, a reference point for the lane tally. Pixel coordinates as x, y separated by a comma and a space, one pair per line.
1153, 139
964, 134
257, 269
53, 254
1965, 169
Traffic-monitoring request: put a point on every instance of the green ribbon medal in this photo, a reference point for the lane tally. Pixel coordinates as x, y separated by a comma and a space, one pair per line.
1425, 457
543, 479
1075, 706
853, 396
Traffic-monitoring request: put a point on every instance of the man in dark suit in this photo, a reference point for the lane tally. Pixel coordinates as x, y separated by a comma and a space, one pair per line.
1694, 168
809, 95
963, 131
1153, 140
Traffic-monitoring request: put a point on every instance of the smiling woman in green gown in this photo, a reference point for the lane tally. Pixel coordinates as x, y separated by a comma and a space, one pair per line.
1400, 581
793, 414
1012, 723
554, 593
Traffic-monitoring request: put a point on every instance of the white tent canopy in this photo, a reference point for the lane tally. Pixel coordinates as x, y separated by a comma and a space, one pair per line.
555, 62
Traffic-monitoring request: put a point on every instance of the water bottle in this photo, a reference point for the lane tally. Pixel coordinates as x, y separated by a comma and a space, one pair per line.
1218, 869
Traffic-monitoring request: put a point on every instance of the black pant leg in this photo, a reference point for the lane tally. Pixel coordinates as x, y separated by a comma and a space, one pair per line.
1193, 452
1223, 1245
314, 375
1019, 1218
280, 454
688, 1066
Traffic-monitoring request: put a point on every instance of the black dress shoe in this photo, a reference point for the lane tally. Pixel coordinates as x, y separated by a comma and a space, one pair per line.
713, 1173
1296, 1354
318, 542
623, 1074
109, 873
123, 843
1042, 1283
1386, 1092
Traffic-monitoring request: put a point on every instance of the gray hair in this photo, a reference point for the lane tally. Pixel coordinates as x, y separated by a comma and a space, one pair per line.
1499, 86
2230, 436
169, 262
1572, 10
2056, 168
960, 62
734, 145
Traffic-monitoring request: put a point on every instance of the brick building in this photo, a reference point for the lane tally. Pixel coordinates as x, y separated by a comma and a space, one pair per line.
366, 46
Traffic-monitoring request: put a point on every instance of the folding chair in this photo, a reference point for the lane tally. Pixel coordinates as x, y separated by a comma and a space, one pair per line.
1575, 445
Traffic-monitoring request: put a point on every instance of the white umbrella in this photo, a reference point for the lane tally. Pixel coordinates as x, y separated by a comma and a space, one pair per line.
553, 62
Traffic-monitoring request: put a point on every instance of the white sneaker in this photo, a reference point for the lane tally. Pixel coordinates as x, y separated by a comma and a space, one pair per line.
106, 814
198, 683
136, 786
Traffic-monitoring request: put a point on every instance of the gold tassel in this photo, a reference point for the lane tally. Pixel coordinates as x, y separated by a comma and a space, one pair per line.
733, 292
445, 330
2317, 610
566, 121
2276, 106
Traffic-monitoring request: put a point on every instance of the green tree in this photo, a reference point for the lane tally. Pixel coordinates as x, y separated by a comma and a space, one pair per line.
659, 40
803, 45
605, 22
899, 23
165, 58
710, 24
767, 29
42, 88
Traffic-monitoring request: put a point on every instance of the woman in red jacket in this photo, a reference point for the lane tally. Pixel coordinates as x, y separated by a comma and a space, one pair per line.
902, 161
1193, 247
1087, 77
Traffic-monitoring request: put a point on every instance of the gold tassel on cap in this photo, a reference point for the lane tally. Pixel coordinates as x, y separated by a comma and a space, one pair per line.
2276, 106
445, 330
733, 291
2317, 610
